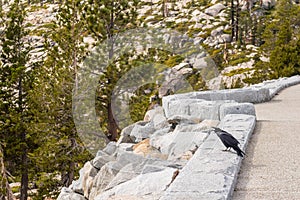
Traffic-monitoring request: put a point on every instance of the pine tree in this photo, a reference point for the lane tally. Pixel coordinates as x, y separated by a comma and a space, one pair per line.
16, 80
61, 152
280, 40
104, 20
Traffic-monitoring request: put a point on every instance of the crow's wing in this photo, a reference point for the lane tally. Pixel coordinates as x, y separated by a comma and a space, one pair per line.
229, 139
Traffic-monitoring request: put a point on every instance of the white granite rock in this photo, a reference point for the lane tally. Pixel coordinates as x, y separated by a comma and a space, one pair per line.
99, 161
127, 175
151, 184
268, 4
205, 109
110, 148
125, 135
142, 130
217, 31
215, 9
193, 107
132, 170
157, 116
212, 173
84, 183
68, 194
252, 95
177, 107
274, 86
103, 178
236, 108
185, 137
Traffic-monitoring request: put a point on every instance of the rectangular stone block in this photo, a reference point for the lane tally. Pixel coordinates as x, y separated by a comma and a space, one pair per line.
211, 173
236, 108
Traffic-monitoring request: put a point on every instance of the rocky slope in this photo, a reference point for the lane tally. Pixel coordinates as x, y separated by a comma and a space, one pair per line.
171, 154
207, 23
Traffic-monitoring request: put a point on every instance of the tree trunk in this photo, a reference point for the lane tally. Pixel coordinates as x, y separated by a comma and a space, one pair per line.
237, 21
232, 20
112, 125
254, 31
24, 179
70, 173
24, 158
72, 163
5, 190
165, 8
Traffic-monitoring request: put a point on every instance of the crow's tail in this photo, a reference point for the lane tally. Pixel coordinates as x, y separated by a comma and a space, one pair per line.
239, 151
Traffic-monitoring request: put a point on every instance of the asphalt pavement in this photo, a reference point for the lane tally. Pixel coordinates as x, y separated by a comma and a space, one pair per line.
271, 169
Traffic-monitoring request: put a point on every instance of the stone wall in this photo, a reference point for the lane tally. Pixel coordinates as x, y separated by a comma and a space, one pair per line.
171, 154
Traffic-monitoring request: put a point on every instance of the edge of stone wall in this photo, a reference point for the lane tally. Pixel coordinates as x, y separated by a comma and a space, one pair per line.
258, 93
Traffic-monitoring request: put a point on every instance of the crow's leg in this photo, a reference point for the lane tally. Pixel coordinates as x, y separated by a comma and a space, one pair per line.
227, 149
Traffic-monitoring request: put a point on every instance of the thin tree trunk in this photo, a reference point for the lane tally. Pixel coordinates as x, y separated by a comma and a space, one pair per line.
71, 173
254, 31
24, 179
24, 158
112, 125
232, 20
5, 190
165, 8
237, 21
72, 163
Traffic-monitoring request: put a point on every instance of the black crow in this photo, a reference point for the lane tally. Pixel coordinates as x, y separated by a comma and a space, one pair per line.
229, 141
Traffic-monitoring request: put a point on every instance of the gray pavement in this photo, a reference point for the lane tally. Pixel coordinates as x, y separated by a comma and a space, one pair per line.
271, 169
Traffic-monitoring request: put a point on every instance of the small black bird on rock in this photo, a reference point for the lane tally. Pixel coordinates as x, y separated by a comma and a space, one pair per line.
229, 141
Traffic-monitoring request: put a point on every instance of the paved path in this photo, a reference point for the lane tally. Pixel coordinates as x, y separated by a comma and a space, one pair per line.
272, 168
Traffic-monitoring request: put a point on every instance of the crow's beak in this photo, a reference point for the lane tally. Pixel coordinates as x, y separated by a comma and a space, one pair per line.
209, 130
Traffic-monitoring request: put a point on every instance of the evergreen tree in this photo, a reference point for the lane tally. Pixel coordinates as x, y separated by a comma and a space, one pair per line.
16, 81
280, 30
104, 20
61, 152
280, 39
284, 60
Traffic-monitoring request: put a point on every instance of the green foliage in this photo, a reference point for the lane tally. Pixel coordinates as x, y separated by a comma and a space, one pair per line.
284, 60
107, 83
140, 103
48, 185
183, 27
260, 74
237, 71
60, 153
106, 18
34, 8
280, 43
16, 82
238, 58
174, 60
217, 56
237, 84
196, 81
